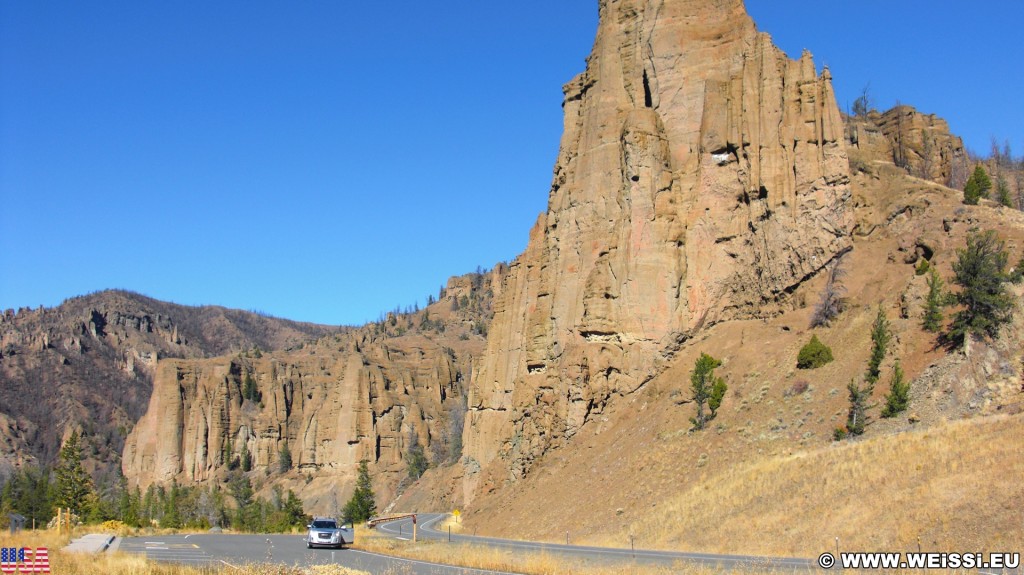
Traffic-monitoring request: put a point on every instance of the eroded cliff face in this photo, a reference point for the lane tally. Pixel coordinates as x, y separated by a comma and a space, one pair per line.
366, 393
702, 177
920, 143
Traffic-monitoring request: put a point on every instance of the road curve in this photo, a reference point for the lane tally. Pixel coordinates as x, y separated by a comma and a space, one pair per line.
600, 555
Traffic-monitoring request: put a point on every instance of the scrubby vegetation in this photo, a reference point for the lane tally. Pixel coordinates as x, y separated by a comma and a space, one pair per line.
813, 355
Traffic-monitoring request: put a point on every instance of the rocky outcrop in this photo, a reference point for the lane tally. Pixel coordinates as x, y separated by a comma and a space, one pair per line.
370, 393
702, 176
88, 364
920, 143
332, 408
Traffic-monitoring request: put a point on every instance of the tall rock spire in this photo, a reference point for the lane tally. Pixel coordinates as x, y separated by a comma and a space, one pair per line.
702, 177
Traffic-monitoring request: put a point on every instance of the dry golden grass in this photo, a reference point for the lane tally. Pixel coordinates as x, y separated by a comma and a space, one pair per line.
955, 486
515, 561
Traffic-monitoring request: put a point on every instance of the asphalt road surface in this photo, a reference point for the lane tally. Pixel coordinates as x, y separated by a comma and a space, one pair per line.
223, 549
601, 555
233, 550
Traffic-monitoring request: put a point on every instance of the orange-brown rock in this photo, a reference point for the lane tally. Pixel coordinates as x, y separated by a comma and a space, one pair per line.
702, 176
920, 143
364, 394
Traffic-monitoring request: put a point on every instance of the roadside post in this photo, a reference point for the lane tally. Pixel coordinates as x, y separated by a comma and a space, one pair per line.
414, 529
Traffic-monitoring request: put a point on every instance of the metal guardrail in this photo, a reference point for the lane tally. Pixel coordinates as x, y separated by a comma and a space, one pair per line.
378, 520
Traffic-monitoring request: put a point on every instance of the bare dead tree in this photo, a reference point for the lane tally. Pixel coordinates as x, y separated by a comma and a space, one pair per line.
927, 151
833, 296
899, 149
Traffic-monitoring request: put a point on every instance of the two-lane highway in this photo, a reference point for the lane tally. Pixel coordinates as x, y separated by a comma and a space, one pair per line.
223, 549
600, 555
235, 550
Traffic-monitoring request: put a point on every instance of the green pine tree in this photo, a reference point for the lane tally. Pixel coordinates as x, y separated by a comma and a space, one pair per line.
980, 271
977, 187
708, 390
898, 398
880, 336
73, 484
284, 462
933, 304
416, 459
857, 416
246, 458
362, 505
1003, 192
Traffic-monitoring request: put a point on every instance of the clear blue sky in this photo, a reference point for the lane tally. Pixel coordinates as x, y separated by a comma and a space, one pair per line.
326, 161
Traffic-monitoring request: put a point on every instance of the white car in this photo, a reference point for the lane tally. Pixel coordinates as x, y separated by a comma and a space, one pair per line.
326, 532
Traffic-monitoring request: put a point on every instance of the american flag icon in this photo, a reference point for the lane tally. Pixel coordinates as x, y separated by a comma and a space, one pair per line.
24, 560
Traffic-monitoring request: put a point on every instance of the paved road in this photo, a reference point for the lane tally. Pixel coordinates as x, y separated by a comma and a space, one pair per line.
602, 555
291, 550
221, 549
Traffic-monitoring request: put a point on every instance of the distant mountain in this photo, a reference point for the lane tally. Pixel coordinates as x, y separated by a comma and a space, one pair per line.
88, 364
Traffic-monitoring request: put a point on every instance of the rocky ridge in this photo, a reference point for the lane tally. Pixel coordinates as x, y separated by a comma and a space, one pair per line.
702, 177
370, 393
88, 364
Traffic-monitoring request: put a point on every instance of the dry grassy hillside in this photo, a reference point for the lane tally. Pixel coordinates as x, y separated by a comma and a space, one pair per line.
947, 470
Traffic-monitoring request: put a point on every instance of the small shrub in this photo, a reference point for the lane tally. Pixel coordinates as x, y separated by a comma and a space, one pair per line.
922, 267
813, 355
838, 434
798, 387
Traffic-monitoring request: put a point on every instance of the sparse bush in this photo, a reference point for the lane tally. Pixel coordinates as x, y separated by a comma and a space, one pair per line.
798, 387
708, 390
923, 265
813, 355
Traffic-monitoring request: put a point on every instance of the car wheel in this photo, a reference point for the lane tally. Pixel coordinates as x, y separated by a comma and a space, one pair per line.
308, 545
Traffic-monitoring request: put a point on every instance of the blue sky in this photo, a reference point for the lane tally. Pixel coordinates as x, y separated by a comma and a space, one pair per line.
326, 161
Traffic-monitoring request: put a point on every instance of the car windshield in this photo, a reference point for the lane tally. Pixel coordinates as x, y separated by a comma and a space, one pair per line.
324, 525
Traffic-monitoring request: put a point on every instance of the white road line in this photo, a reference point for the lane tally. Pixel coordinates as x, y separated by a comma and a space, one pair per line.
230, 565
417, 562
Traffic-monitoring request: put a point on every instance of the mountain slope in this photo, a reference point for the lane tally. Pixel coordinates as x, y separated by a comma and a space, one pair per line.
88, 364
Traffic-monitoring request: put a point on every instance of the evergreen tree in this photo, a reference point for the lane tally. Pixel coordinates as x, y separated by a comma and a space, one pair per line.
172, 513
285, 461
932, 320
708, 390
361, 506
880, 336
246, 458
898, 398
249, 390
980, 271
978, 186
73, 485
416, 459
294, 513
813, 355
1003, 192
857, 416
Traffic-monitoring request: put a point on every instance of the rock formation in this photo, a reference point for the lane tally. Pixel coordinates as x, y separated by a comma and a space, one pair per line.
920, 143
88, 365
702, 177
367, 393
